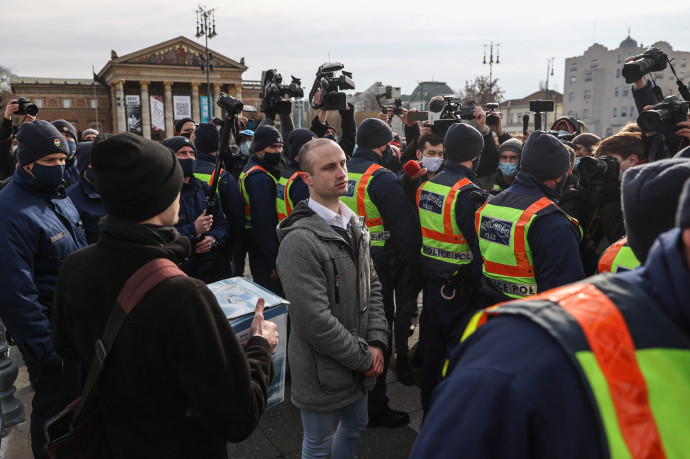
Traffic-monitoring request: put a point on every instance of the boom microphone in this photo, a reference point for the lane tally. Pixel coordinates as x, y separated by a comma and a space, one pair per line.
436, 104
525, 122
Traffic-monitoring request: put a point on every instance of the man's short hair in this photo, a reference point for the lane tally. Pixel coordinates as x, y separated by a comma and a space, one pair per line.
304, 156
632, 126
430, 138
624, 144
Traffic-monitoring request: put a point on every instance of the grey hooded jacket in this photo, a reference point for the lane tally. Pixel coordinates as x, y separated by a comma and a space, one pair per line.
336, 310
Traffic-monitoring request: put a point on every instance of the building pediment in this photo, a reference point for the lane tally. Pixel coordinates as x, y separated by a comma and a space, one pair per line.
179, 51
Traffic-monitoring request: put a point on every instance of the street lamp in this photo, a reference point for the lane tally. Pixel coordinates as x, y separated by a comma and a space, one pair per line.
206, 25
549, 71
491, 65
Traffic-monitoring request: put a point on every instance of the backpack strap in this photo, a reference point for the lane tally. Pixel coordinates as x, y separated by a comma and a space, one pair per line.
135, 289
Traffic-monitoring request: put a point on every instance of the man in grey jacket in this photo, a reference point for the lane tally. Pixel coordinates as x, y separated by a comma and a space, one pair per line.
338, 329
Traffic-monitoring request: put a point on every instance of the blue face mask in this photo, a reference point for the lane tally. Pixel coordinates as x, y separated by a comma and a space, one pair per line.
244, 147
72, 147
331, 137
187, 166
508, 169
272, 159
48, 177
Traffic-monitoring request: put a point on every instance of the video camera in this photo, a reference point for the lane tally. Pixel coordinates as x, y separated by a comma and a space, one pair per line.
331, 84
453, 112
594, 172
273, 92
664, 116
492, 115
652, 60
228, 103
26, 107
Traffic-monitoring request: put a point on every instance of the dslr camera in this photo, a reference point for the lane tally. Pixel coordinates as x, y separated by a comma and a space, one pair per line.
466, 112
597, 171
664, 116
273, 92
652, 60
26, 107
228, 103
332, 84
491, 114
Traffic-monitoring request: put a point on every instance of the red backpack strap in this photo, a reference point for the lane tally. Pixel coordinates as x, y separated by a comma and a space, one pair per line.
144, 279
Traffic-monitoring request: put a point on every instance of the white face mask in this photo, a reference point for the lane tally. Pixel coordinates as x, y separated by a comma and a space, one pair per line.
432, 163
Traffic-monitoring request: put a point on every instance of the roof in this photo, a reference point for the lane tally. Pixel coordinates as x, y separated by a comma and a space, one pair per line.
628, 43
431, 88
15, 79
541, 94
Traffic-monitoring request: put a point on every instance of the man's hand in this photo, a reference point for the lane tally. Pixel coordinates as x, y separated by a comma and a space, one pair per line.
274, 274
204, 245
12, 107
524, 137
377, 365
203, 223
323, 113
243, 120
642, 82
684, 130
498, 128
480, 118
262, 327
405, 117
425, 128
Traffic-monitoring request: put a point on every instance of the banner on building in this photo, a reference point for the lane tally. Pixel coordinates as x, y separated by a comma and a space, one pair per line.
133, 107
204, 109
157, 113
182, 107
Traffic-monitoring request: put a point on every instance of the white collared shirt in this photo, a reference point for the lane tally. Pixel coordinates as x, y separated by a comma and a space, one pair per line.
341, 219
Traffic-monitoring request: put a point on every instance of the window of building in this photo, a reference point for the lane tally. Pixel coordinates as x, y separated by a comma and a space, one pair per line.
609, 132
573, 79
38, 102
594, 63
683, 62
615, 92
618, 73
94, 103
659, 75
573, 66
588, 94
585, 114
632, 112
619, 59
66, 103
615, 112
588, 76
571, 97
624, 112
625, 91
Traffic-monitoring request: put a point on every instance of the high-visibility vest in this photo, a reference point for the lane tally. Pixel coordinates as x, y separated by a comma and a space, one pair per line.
284, 204
442, 239
632, 360
357, 199
245, 195
502, 226
618, 257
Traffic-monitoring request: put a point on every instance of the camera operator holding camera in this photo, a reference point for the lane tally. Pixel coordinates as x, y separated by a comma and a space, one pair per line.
16, 107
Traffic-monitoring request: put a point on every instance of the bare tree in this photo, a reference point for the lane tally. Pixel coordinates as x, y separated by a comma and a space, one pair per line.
481, 91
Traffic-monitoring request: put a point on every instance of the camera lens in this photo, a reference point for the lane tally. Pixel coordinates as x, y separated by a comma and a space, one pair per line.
651, 120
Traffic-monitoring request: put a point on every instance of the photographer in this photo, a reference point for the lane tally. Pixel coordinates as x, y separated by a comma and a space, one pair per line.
7, 131
321, 128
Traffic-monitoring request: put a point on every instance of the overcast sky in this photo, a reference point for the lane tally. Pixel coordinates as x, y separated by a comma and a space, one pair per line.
397, 42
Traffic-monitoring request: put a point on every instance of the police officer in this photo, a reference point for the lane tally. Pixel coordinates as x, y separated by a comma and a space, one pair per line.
84, 195
69, 132
450, 253
39, 227
291, 189
375, 192
258, 184
528, 244
207, 232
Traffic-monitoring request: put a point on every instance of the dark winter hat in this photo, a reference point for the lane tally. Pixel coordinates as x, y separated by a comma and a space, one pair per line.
511, 145
181, 123
587, 140
462, 143
206, 138
650, 195
38, 139
544, 156
177, 142
683, 212
266, 136
297, 139
66, 127
373, 133
137, 178
83, 156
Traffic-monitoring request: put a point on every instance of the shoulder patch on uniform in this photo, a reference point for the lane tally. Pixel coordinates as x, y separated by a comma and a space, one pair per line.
495, 230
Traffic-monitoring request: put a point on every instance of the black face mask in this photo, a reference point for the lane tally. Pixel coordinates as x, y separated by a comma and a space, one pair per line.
475, 162
186, 134
560, 186
272, 159
187, 166
48, 177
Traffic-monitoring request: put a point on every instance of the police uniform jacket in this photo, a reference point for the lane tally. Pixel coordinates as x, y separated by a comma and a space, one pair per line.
88, 204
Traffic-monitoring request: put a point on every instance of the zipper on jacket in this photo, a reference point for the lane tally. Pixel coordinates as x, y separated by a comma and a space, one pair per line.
337, 281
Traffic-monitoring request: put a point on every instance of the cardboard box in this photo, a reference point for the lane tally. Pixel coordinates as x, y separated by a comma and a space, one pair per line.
237, 297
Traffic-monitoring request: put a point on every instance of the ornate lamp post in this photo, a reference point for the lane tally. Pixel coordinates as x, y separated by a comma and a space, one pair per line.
206, 25
491, 65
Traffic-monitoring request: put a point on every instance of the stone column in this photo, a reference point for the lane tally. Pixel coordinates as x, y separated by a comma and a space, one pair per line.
113, 106
145, 109
196, 105
238, 91
118, 122
216, 95
169, 122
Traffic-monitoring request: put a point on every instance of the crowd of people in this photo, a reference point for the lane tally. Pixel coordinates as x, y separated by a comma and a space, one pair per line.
521, 354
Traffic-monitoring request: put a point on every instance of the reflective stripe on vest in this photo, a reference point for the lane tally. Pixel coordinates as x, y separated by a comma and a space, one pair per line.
618, 257
208, 178
284, 204
436, 206
357, 199
245, 195
641, 395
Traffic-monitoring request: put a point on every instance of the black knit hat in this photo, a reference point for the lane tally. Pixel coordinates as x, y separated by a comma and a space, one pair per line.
177, 142
587, 140
206, 138
544, 156
511, 145
179, 124
683, 212
66, 127
373, 133
38, 139
137, 178
297, 139
650, 195
266, 136
462, 143
83, 156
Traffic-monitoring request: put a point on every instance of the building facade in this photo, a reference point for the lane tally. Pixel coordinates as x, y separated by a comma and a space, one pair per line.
596, 92
513, 110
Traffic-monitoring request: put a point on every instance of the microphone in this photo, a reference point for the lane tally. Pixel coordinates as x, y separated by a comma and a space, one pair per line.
413, 170
436, 104
525, 122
